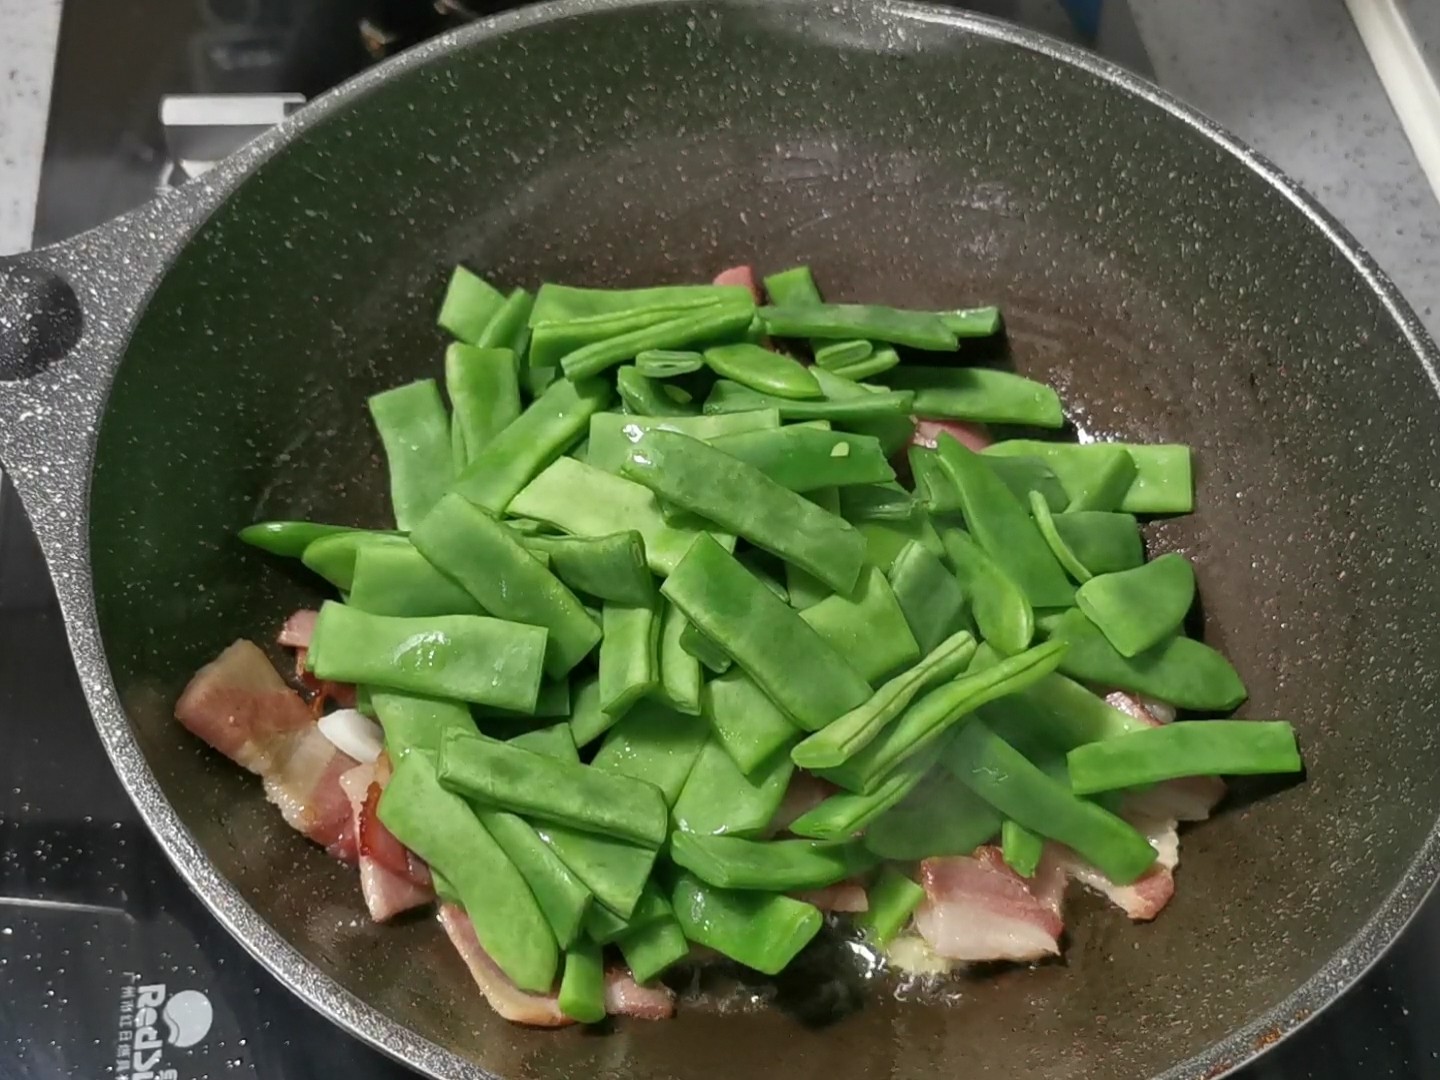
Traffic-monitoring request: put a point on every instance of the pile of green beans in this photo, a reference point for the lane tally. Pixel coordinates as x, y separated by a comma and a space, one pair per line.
650, 561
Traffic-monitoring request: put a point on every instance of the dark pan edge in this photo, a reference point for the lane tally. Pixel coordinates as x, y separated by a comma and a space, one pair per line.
285, 962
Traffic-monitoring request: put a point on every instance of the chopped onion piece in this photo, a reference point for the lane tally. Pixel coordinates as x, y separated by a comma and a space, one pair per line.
353, 733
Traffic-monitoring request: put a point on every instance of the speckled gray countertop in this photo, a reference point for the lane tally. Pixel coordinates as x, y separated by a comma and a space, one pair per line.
1291, 79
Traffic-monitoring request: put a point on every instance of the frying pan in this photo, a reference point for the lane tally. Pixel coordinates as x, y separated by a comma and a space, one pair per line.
204, 362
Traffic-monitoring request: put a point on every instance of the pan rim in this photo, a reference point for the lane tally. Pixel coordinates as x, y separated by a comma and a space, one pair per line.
372, 1026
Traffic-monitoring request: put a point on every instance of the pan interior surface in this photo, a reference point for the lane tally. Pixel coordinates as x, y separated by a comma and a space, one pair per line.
1164, 287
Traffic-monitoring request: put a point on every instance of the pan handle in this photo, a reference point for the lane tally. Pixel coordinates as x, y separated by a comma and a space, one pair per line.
66, 313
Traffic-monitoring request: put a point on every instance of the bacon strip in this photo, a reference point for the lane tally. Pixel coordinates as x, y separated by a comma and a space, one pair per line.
842, 896
741, 275
240, 706
387, 892
507, 999
298, 629
296, 634
625, 997
928, 432
1143, 899
977, 909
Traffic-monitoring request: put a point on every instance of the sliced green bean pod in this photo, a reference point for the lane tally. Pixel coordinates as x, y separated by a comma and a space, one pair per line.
629, 660
612, 435
1023, 474
588, 721
615, 870
786, 657
928, 594
469, 305
1020, 848
652, 949
651, 397
751, 728
804, 459
978, 394
940, 817
484, 557
710, 655
465, 657
972, 322
562, 896
561, 303
484, 389
744, 501
843, 815
509, 327
524, 782
1104, 543
1184, 748
937, 711
892, 900
841, 354
606, 567
1000, 609
763, 931
1138, 609
668, 363
680, 674
836, 743
1045, 522
1180, 671
536, 438
444, 831
867, 628
876, 502
702, 327
762, 369
877, 363
291, 538
1163, 483
718, 799
655, 744
730, 397
916, 329
582, 987
1006, 779
1105, 486
395, 579
416, 435
412, 722
731, 862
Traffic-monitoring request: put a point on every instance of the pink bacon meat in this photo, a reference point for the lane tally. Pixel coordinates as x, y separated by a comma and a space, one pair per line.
625, 997
1144, 898
1190, 798
516, 1005
388, 881
240, 706
977, 909
296, 634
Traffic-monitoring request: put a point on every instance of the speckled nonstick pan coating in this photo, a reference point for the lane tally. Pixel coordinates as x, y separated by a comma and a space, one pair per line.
1171, 285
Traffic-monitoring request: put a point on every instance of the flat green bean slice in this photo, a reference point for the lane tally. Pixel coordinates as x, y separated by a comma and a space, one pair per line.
484, 390
792, 287
1138, 609
465, 657
469, 305
762, 369
551, 340
763, 931
536, 438
1184, 748
710, 655
1183, 672
933, 486
486, 558
604, 926
1006, 779
805, 459
972, 322
751, 728
877, 363
562, 303
868, 628
1023, 474
613, 434
412, 722
1104, 543
655, 744
930, 716
836, 743
730, 397
587, 720
916, 329
585, 501
1105, 486
614, 870
651, 397
652, 949
1020, 848
940, 817
1163, 483
582, 987
928, 594
606, 567
744, 501
841, 354
395, 579
508, 328
555, 740
668, 363
731, 862
524, 782
291, 538
1001, 525
877, 502
884, 540
1045, 522
444, 831
415, 432
981, 395
842, 816
892, 900
562, 896
786, 657
1001, 612
704, 326
629, 662
680, 674
718, 799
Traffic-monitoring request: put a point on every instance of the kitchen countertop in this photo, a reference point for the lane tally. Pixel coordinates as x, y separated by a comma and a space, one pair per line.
1293, 80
